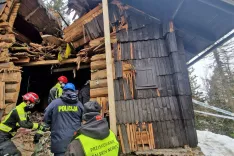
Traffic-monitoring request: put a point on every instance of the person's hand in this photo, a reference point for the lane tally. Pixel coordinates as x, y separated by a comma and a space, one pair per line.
43, 128
37, 137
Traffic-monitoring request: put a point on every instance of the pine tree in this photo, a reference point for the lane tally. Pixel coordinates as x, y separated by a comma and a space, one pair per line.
195, 87
58, 8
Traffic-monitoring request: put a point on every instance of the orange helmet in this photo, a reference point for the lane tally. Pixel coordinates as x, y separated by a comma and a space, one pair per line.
63, 79
32, 97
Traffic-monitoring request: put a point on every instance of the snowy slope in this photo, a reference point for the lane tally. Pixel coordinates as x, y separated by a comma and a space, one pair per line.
213, 144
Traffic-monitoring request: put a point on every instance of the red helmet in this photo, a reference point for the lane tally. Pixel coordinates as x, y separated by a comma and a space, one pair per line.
63, 79
32, 97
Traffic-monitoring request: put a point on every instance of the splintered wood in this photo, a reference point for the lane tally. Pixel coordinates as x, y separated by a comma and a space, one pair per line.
140, 137
35, 52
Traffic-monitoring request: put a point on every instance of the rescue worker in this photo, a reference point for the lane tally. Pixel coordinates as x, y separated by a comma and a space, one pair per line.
57, 90
84, 93
18, 117
94, 136
64, 115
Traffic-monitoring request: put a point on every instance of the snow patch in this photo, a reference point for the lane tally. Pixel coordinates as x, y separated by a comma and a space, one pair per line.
213, 144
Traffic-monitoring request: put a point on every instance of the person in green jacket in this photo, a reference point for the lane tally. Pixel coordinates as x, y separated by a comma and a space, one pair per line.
57, 90
18, 117
94, 137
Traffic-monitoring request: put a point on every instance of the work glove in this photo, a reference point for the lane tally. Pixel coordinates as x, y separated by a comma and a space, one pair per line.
37, 137
43, 127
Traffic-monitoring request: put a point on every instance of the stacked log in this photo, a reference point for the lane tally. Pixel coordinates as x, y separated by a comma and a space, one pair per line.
10, 78
10, 75
98, 83
7, 18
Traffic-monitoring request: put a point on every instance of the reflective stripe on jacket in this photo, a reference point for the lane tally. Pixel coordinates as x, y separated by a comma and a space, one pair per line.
17, 118
59, 90
55, 93
106, 147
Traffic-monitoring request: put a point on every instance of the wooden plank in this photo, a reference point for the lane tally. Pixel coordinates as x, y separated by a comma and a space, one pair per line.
121, 139
10, 77
98, 83
12, 87
125, 138
156, 109
124, 111
75, 31
136, 114
2, 95
109, 65
118, 112
131, 109
98, 92
22, 60
127, 103
11, 97
50, 62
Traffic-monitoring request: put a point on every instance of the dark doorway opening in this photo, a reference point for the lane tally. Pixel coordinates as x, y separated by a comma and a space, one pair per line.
40, 79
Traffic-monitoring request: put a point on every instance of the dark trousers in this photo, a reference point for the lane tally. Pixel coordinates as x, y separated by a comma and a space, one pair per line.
7, 147
59, 154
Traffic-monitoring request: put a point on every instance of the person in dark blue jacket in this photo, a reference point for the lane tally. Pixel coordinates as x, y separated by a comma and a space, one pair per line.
64, 115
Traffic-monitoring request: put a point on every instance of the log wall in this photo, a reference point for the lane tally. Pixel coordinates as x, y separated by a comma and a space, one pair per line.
151, 80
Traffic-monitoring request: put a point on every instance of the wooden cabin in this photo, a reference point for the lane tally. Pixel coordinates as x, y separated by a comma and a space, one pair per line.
137, 69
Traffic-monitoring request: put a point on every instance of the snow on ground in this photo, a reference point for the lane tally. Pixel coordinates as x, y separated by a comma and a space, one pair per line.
213, 144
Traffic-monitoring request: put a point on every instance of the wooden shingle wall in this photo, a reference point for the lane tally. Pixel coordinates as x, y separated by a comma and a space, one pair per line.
151, 79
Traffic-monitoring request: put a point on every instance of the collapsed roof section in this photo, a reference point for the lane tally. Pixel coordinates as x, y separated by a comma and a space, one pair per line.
35, 13
29, 18
81, 7
200, 22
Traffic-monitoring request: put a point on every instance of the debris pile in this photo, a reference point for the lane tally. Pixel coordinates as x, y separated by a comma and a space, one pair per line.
24, 139
23, 53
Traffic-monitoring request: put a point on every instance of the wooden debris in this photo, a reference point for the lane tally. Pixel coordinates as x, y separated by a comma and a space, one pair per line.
75, 31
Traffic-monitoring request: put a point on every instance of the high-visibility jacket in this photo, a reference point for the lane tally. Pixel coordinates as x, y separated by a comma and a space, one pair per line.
17, 118
55, 92
94, 147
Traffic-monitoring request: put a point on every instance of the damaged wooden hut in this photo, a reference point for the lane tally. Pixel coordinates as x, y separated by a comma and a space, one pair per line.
151, 42
137, 69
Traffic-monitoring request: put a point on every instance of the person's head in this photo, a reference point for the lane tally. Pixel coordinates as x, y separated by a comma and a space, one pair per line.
31, 99
62, 80
69, 86
91, 110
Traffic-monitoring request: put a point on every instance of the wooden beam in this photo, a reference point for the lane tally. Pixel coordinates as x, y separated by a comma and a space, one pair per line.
109, 65
49, 62
2, 95
177, 9
31, 13
70, 68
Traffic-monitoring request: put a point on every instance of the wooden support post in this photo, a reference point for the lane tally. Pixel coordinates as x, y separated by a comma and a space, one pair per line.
109, 66
2, 95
